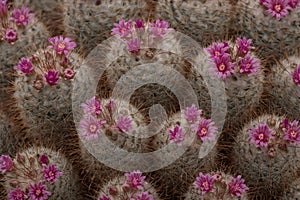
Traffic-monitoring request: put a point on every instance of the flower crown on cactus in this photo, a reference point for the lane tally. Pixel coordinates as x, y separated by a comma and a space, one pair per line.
279, 8
227, 58
39, 176
49, 63
13, 20
296, 75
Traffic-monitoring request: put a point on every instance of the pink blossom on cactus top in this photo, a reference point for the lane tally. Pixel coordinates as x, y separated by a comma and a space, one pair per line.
69, 73
244, 45
262, 1
204, 183
139, 24
236, 187
52, 77
3, 8
122, 29
62, 45
223, 67
260, 135
144, 196
217, 50
205, 129
51, 173
292, 133
25, 66
249, 65
277, 8
38, 191
176, 135
92, 106
44, 160
135, 180
160, 28
296, 75
90, 127
133, 46
17, 194
11, 35
192, 114
22, 16
6, 163
104, 198
124, 124
285, 124
294, 3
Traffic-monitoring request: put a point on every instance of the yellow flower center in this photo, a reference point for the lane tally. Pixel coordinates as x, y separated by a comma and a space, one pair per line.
205, 185
93, 128
38, 192
203, 131
61, 45
293, 134
22, 17
278, 8
222, 67
261, 136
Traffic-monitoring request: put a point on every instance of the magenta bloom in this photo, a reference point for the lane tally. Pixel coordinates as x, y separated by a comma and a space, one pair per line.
22, 17
277, 8
91, 127
52, 77
296, 75
17, 194
69, 73
122, 29
3, 8
44, 160
294, 3
192, 113
236, 186
6, 163
144, 196
292, 133
244, 45
176, 135
139, 24
160, 28
62, 45
133, 46
217, 50
38, 192
11, 35
204, 183
135, 180
51, 173
205, 129
25, 66
223, 67
124, 124
92, 106
104, 198
249, 65
260, 135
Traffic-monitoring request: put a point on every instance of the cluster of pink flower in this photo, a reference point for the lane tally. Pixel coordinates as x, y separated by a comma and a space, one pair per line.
227, 59
206, 183
135, 182
98, 116
296, 75
279, 8
263, 136
10, 21
49, 62
205, 128
36, 190
131, 31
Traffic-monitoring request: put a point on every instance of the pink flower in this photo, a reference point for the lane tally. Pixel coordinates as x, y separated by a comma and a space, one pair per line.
292, 133
294, 3
91, 127
17, 194
205, 129
6, 164
176, 135
11, 35
135, 180
62, 45
92, 106
160, 28
44, 160
22, 17
52, 77
144, 196
38, 192
244, 45
25, 66
3, 8
51, 173
236, 186
204, 183
296, 75
249, 65
69, 73
124, 124
104, 198
217, 50
260, 135
262, 1
110, 105
223, 67
123, 29
192, 113
139, 24
278, 8
133, 46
